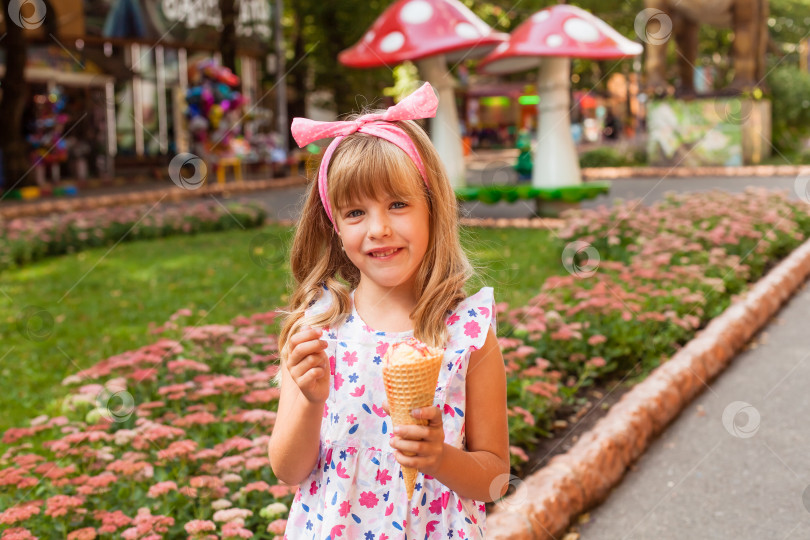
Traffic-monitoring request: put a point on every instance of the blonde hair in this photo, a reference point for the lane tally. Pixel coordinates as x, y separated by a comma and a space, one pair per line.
368, 166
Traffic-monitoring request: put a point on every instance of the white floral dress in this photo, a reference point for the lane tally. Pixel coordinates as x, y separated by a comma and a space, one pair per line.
357, 490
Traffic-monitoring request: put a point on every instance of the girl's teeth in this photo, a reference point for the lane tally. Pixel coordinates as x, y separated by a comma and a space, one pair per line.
385, 254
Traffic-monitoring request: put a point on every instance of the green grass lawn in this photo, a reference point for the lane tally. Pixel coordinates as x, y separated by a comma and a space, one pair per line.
89, 306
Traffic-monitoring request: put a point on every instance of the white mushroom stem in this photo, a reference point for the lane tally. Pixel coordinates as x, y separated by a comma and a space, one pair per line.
444, 129
555, 158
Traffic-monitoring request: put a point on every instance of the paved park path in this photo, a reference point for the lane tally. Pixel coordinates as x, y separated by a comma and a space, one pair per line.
716, 475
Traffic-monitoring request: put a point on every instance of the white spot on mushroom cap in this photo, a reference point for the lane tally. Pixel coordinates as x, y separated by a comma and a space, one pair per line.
369, 36
629, 47
541, 16
554, 40
580, 30
502, 47
392, 42
466, 30
416, 12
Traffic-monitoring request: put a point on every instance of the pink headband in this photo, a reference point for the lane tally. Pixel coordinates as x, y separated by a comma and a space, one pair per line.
420, 104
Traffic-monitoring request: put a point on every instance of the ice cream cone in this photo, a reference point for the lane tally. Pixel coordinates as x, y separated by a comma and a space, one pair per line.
410, 373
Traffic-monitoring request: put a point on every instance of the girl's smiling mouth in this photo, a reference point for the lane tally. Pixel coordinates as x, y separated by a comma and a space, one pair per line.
385, 254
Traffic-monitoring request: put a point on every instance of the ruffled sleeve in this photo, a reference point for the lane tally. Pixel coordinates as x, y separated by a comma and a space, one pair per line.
470, 321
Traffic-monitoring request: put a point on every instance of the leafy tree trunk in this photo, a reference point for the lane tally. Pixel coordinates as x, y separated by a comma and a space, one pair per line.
227, 39
12, 105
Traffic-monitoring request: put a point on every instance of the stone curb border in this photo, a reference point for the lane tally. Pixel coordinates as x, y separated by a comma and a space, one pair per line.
609, 173
147, 196
579, 479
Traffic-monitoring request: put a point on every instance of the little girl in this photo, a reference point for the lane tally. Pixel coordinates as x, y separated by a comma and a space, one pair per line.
377, 259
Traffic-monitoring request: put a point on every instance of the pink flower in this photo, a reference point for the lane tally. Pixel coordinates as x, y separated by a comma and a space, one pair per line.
279, 490
199, 526
178, 449
383, 476
596, 362
382, 347
256, 486
18, 533
351, 419
368, 499
96, 484
596, 339
234, 529
278, 526
161, 488
87, 533
345, 508
20, 512
519, 452
147, 526
350, 357
452, 319
472, 329
111, 521
59, 505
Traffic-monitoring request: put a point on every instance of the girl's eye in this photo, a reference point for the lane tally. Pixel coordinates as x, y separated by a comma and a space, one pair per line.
351, 213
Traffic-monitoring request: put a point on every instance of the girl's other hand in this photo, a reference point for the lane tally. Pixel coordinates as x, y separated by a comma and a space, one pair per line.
420, 447
309, 365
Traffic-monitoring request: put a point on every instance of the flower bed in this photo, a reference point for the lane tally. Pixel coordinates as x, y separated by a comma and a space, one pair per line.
171, 439
25, 240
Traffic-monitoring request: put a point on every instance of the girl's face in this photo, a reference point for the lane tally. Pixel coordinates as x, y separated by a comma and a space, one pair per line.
372, 229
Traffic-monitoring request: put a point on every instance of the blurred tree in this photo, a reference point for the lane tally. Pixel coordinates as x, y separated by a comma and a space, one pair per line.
16, 164
317, 31
227, 38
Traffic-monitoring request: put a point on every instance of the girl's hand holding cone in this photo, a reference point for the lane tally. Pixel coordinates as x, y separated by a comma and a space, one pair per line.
420, 447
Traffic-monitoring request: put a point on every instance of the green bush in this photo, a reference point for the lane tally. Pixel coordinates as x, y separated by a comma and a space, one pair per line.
603, 157
790, 93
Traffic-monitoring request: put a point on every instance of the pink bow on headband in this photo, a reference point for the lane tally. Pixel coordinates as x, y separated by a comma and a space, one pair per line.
421, 104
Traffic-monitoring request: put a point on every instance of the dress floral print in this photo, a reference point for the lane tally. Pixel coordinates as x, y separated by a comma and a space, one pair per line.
357, 490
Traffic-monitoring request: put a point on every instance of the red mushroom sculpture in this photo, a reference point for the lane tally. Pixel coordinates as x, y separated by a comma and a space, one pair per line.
431, 33
548, 39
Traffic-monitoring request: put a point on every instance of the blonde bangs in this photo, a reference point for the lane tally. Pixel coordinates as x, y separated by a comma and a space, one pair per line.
368, 166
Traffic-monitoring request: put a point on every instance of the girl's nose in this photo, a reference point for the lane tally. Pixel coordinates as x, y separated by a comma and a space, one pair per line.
379, 226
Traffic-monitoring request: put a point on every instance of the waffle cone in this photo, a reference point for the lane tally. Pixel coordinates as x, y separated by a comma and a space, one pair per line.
410, 386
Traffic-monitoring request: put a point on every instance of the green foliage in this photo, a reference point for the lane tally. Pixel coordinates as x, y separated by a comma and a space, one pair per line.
511, 193
790, 89
604, 156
